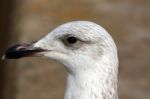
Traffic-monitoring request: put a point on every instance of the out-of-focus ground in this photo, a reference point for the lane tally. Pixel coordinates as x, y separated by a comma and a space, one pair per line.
128, 21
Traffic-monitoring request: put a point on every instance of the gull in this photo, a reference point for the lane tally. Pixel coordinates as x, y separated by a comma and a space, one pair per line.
88, 53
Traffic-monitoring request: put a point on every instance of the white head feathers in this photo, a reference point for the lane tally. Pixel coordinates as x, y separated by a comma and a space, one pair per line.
87, 51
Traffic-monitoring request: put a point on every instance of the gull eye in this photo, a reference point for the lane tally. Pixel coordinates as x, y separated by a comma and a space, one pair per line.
71, 40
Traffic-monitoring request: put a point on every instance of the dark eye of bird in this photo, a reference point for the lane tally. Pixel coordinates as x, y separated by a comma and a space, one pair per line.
71, 40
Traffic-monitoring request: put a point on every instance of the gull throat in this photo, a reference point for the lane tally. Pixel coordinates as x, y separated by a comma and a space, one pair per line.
98, 83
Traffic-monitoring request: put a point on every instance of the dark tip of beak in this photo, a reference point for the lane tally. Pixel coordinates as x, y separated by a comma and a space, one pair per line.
21, 50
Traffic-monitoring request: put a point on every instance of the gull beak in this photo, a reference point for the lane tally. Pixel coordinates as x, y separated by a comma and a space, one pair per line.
23, 50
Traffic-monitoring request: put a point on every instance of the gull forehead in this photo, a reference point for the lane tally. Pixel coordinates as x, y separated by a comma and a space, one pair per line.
85, 29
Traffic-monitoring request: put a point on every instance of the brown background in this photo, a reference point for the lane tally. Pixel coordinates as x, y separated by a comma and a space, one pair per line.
128, 21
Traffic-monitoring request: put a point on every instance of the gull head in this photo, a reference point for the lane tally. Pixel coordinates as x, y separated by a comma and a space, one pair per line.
78, 45
86, 50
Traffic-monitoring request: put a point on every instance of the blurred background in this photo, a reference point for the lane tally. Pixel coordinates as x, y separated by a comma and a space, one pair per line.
22, 21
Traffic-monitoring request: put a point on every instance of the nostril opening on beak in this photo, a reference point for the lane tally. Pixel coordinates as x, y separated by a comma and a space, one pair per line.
21, 48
